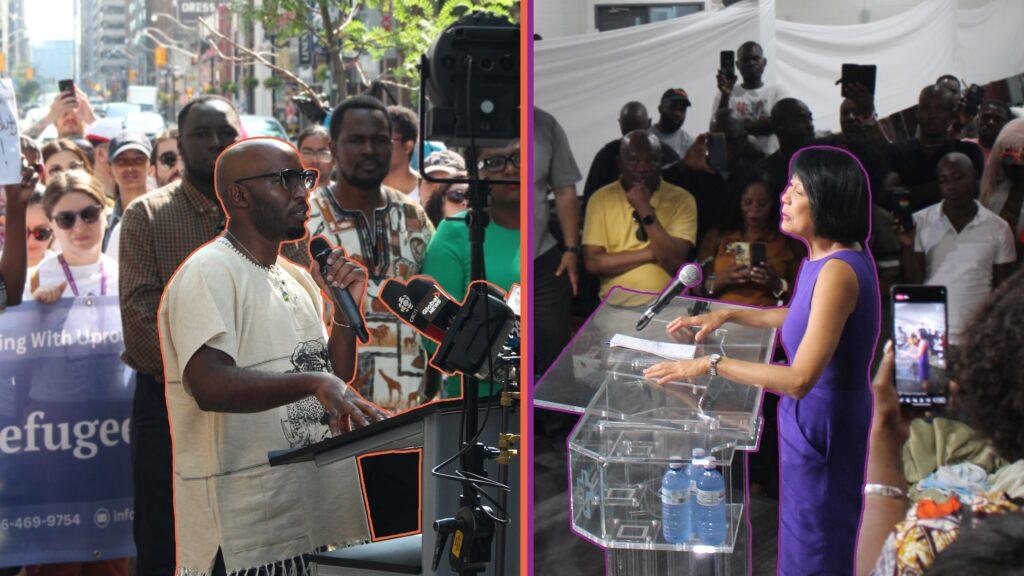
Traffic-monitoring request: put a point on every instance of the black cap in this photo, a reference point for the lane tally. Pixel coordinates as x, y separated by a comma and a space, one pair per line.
130, 141
676, 94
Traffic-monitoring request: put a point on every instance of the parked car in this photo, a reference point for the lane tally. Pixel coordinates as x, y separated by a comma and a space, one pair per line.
121, 109
262, 126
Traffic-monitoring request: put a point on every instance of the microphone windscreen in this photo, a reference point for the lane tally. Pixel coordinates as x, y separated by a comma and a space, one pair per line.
689, 275
319, 248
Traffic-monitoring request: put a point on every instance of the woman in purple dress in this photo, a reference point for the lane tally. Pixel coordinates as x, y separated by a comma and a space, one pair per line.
829, 332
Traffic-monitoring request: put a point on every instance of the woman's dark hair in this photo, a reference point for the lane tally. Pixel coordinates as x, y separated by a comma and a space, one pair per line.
838, 193
990, 376
732, 216
64, 145
993, 547
312, 130
435, 205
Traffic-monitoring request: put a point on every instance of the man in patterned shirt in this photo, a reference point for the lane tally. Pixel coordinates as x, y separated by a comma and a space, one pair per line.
381, 228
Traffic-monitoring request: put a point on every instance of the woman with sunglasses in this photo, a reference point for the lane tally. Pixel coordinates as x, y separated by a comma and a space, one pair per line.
40, 236
61, 155
74, 203
447, 201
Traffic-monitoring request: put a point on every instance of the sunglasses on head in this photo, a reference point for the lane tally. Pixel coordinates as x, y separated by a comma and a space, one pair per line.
66, 220
641, 232
40, 233
168, 159
289, 178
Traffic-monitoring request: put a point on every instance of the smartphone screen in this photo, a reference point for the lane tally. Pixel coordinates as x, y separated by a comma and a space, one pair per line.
863, 74
67, 86
901, 207
758, 254
716, 152
727, 63
920, 340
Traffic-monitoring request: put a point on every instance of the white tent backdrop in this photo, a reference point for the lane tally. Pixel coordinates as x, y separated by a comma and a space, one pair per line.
584, 80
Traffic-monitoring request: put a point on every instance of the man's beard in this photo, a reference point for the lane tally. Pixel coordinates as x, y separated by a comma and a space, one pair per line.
368, 182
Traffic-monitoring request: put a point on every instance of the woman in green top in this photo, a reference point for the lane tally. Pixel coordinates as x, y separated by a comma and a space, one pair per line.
448, 261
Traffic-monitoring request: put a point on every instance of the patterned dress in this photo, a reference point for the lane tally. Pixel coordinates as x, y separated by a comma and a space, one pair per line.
393, 245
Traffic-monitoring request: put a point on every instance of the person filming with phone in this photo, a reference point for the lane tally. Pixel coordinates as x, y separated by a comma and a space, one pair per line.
829, 332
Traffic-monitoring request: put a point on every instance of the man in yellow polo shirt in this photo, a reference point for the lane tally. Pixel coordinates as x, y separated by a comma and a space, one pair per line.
639, 230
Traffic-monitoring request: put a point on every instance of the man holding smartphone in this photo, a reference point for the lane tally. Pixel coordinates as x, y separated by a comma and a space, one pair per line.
70, 112
958, 244
752, 99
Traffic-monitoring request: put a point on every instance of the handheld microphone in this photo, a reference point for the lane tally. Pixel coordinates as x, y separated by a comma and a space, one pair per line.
688, 276
321, 249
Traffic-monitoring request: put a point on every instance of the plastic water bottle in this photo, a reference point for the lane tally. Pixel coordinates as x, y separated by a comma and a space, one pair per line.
709, 507
693, 471
675, 503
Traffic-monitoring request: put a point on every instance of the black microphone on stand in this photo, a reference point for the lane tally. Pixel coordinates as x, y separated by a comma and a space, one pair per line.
321, 249
688, 276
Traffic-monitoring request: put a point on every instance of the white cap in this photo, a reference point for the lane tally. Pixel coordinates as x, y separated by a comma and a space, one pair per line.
104, 130
699, 452
675, 462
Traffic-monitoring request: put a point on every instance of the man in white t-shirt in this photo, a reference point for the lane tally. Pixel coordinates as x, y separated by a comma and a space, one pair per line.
753, 99
249, 369
958, 244
671, 117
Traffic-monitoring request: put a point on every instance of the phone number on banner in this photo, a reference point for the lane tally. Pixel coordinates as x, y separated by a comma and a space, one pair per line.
31, 522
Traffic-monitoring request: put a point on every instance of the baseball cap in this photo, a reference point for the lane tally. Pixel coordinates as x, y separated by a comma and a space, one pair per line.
129, 141
676, 94
104, 130
444, 161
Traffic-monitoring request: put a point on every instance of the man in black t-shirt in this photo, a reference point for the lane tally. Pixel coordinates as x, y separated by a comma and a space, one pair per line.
914, 162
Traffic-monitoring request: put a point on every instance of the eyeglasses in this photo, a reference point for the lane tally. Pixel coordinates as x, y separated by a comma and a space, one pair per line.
168, 159
641, 232
498, 163
57, 168
324, 154
40, 233
289, 178
66, 220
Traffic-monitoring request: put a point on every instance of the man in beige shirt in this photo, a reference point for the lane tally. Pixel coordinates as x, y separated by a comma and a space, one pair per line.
249, 369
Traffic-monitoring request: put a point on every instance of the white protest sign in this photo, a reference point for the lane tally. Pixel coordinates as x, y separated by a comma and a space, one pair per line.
10, 140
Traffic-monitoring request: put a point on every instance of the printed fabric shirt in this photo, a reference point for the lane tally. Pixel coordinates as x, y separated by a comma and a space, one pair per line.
226, 495
394, 245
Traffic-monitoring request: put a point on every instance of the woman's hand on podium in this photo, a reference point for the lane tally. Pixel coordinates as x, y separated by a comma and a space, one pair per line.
706, 322
666, 372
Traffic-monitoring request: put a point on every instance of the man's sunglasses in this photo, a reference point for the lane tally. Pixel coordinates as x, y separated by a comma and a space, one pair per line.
498, 163
40, 233
641, 232
289, 178
66, 220
168, 159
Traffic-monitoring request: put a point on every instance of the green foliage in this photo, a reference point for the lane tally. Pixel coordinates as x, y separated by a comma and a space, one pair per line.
414, 26
228, 87
28, 91
251, 82
272, 82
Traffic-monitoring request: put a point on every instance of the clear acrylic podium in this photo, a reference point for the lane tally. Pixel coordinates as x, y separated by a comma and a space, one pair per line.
631, 428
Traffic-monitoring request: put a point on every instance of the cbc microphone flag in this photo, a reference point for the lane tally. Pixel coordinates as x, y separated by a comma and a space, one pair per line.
65, 453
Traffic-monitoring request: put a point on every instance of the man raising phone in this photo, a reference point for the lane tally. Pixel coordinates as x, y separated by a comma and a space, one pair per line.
70, 112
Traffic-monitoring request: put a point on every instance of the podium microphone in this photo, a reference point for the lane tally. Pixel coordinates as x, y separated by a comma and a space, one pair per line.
422, 304
321, 249
687, 277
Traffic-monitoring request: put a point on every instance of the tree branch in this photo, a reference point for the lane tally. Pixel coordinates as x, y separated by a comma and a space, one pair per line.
258, 58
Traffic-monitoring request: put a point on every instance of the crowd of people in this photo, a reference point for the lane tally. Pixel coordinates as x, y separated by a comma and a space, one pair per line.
658, 197
102, 211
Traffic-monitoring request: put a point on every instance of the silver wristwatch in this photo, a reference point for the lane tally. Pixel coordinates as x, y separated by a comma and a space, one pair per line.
884, 490
713, 369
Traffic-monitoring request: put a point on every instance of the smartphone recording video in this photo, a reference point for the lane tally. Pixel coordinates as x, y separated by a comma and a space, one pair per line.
920, 340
